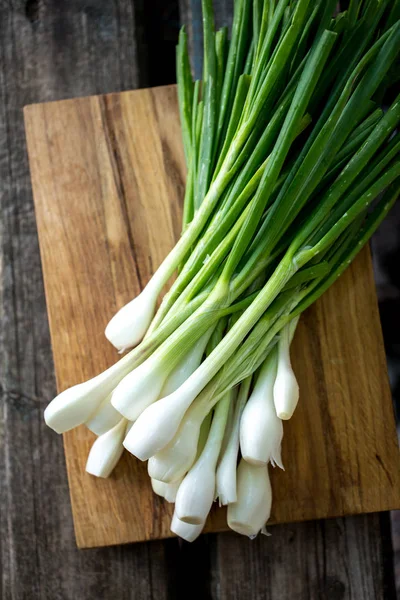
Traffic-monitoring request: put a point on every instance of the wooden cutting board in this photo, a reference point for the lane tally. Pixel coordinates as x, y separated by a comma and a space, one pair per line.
108, 178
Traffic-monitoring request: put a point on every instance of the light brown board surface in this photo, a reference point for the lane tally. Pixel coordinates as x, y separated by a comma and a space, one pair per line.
108, 178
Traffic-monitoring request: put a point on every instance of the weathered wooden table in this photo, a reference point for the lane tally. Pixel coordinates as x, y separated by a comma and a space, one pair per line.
51, 49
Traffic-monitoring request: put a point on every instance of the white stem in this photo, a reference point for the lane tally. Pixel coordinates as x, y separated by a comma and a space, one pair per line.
226, 471
77, 404
249, 514
187, 532
146, 384
187, 366
196, 492
104, 418
106, 451
261, 430
229, 424
286, 388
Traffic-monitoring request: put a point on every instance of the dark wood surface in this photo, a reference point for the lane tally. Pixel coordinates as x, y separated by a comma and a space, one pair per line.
56, 49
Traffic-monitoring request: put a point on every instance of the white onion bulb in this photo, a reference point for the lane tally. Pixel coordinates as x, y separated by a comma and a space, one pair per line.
77, 404
106, 451
252, 509
286, 388
197, 490
261, 430
187, 532
129, 325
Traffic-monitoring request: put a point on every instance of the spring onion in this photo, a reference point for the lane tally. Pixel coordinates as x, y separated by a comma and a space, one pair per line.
293, 160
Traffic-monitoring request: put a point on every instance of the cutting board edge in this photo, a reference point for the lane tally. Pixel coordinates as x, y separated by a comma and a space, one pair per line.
388, 508
28, 107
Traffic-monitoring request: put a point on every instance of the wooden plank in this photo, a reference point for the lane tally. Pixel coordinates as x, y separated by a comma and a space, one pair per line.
108, 176
332, 559
51, 50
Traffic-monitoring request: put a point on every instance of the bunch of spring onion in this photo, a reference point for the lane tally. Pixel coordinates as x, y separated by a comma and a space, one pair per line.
292, 152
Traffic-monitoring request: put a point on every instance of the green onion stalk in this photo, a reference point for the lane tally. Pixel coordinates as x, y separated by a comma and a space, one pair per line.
293, 160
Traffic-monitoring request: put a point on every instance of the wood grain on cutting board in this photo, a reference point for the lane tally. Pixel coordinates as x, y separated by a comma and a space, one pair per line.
108, 178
